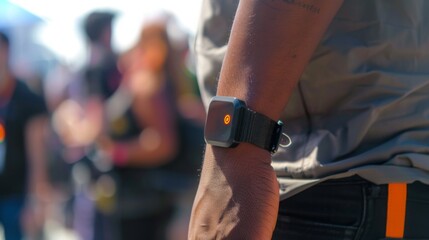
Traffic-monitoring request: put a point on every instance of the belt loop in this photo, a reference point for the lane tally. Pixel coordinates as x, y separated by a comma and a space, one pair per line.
396, 210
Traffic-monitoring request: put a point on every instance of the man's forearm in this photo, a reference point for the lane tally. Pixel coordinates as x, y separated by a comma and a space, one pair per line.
271, 42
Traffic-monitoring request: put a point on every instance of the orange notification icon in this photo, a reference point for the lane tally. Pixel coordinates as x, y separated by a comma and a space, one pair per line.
227, 119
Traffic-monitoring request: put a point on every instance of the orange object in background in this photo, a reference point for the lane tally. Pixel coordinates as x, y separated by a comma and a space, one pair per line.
2, 133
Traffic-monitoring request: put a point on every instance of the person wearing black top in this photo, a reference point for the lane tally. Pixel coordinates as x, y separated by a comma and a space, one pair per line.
22, 166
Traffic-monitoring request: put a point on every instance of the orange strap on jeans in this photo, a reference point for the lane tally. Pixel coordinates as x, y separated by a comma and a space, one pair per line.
396, 209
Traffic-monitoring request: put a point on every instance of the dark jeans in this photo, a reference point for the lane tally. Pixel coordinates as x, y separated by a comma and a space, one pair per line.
349, 209
10, 216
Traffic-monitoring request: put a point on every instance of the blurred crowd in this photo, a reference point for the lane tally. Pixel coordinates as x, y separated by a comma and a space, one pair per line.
109, 151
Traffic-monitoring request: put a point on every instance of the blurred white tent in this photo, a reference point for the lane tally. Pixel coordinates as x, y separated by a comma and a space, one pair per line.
61, 31
28, 58
12, 15
45, 32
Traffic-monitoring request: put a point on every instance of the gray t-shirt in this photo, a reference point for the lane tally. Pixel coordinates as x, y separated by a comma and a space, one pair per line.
362, 103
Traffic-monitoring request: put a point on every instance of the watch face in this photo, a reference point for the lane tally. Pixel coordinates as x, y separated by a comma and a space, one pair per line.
222, 119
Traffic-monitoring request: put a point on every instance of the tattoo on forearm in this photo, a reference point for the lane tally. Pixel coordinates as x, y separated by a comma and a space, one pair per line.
307, 6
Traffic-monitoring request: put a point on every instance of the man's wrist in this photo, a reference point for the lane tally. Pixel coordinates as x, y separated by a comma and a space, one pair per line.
244, 155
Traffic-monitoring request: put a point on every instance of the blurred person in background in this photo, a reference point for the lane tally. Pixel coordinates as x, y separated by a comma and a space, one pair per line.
24, 187
97, 80
101, 74
60, 164
79, 120
145, 140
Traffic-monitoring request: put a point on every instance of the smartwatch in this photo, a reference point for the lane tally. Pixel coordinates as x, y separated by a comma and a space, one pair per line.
230, 121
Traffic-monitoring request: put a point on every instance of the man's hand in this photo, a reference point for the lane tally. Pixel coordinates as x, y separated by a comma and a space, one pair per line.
235, 192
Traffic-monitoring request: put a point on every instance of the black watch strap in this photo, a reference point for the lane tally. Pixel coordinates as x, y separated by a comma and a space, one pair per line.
260, 130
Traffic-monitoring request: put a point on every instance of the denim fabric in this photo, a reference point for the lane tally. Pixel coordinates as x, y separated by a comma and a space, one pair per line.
10, 217
349, 209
